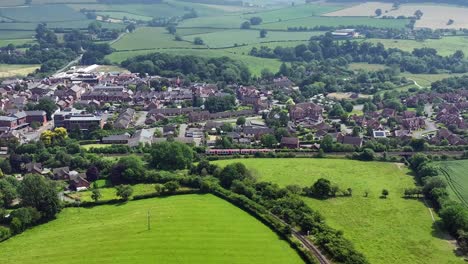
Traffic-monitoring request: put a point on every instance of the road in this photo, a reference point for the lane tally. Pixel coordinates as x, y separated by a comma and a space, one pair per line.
34, 135
75, 61
141, 118
182, 129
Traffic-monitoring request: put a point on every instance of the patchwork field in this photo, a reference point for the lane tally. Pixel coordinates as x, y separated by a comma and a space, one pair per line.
392, 230
11, 70
42, 13
434, 16
445, 46
184, 229
311, 22
457, 179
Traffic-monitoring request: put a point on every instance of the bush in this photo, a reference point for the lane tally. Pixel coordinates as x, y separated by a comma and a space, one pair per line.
4, 233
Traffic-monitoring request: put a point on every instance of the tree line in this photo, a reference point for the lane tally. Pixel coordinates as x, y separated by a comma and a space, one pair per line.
422, 60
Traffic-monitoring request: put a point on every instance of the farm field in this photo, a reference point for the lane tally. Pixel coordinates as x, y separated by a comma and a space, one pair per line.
457, 179
150, 38
294, 12
16, 42
222, 22
392, 230
435, 16
184, 229
42, 13
444, 46
229, 38
11, 70
311, 22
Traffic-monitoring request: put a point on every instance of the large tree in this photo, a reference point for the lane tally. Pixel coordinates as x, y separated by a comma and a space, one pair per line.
42, 194
171, 156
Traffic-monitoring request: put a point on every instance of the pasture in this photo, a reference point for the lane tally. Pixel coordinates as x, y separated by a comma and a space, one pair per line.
445, 46
230, 38
150, 38
184, 229
425, 80
16, 42
434, 16
42, 13
366, 66
13, 70
457, 179
392, 230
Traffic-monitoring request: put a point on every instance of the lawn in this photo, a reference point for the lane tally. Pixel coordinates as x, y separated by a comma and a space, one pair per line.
184, 229
457, 179
311, 22
445, 46
11, 70
229, 38
109, 193
150, 38
392, 230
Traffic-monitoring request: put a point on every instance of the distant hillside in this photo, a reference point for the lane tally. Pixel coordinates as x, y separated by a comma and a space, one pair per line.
453, 2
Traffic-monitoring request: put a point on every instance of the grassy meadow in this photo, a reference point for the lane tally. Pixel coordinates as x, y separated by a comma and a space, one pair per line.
392, 230
457, 179
445, 46
184, 229
11, 70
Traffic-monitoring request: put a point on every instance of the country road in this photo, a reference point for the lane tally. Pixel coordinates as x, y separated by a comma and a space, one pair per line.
75, 61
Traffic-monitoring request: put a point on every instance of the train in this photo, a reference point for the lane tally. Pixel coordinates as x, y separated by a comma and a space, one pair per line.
237, 151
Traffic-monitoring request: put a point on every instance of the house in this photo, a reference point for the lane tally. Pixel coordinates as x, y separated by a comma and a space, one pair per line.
78, 182
33, 167
62, 173
290, 142
413, 123
349, 140
309, 111
256, 132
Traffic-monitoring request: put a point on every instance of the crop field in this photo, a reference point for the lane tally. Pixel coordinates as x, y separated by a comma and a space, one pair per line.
184, 229
293, 12
444, 46
392, 230
457, 179
434, 16
229, 38
11, 70
311, 22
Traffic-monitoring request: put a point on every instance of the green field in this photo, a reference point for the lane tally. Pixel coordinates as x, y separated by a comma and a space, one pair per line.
392, 230
184, 229
150, 38
42, 13
11, 70
445, 46
229, 38
457, 179
425, 80
16, 42
227, 21
366, 66
109, 193
311, 22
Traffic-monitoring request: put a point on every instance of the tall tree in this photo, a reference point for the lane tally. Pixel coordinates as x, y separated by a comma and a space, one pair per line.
42, 194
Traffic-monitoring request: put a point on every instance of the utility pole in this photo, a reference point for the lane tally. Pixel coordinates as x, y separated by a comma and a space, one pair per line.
149, 217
